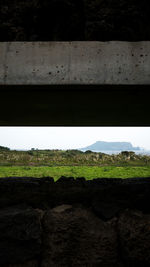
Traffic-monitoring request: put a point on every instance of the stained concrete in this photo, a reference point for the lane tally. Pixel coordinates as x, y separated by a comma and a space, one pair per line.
69, 63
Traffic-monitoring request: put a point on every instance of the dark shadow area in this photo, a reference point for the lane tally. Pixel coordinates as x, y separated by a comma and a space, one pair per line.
104, 222
65, 20
75, 105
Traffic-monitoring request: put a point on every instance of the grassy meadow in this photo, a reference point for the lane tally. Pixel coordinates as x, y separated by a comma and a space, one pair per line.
75, 171
72, 163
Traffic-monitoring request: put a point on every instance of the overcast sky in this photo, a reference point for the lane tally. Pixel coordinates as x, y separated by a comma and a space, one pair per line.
71, 137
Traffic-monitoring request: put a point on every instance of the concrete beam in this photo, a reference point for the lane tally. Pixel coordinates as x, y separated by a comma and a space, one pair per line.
79, 63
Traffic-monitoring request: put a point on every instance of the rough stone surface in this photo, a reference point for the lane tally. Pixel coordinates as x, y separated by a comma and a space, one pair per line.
75, 237
63, 20
104, 222
20, 235
134, 235
106, 197
26, 264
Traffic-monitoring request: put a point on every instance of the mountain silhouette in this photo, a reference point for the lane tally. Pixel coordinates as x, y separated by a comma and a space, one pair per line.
112, 146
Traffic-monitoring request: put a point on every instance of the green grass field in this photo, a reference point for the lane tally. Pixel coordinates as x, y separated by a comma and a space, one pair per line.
76, 171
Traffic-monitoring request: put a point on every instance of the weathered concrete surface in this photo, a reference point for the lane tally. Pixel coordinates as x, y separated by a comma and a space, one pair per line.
54, 63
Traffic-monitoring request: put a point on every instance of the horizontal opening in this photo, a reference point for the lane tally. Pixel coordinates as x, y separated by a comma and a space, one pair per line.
89, 152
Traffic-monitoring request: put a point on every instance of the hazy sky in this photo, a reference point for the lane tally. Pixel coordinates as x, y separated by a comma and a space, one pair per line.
71, 137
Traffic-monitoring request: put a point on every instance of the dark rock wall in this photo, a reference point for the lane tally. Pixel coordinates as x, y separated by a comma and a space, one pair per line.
65, 20
103, 222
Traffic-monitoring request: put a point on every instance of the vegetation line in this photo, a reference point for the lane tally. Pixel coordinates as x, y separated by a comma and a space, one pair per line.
72, 163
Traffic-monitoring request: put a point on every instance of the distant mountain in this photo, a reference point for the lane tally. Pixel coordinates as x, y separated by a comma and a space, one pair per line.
110, 146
